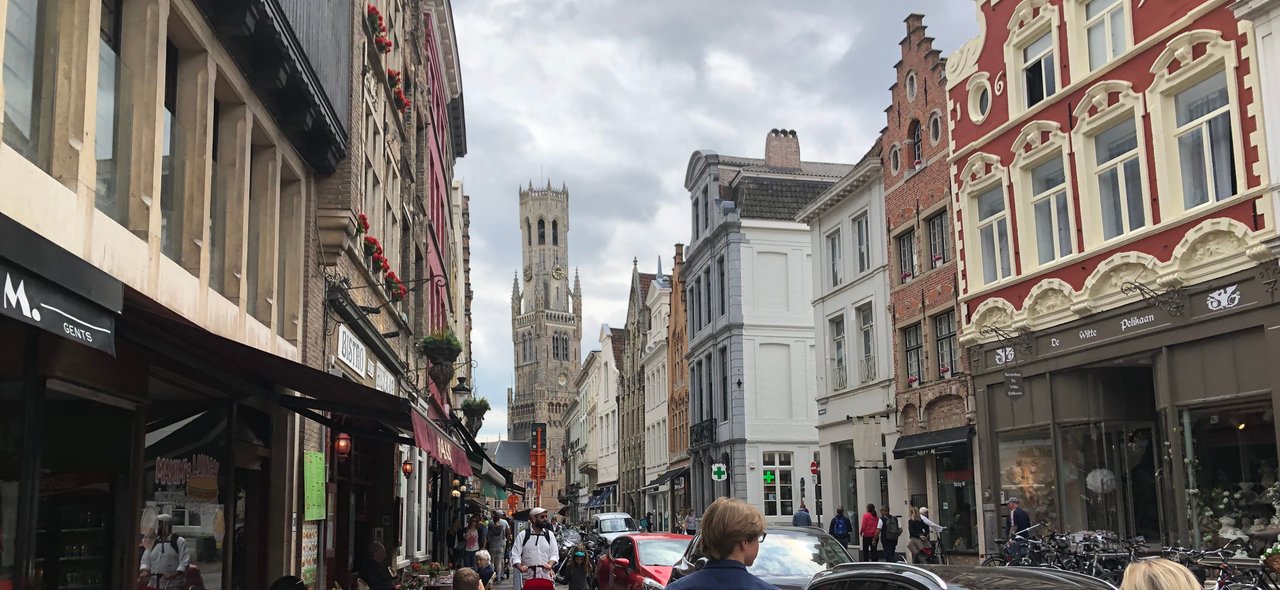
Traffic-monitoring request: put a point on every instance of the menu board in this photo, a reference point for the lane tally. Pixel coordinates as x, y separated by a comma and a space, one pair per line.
310, 551
314, 484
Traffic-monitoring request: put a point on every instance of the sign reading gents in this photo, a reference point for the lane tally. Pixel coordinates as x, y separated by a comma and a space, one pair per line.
38, 302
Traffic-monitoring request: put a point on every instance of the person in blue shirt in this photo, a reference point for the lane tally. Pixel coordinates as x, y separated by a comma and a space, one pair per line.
801, 517
732, 531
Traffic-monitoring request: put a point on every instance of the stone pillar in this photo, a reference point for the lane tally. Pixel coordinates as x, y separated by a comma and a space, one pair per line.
143, 49
264, 205
196, 75
75, 98
4, 11
289, 284
235, 133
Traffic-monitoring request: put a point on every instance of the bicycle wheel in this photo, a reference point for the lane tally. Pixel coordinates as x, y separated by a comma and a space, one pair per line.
994, 561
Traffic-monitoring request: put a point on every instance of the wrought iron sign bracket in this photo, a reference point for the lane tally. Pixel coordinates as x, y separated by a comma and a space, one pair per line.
1172, 300
1022, 339
1269, 275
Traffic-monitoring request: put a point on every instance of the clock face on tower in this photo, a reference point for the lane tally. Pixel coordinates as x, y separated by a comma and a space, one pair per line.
557, 272
562, 379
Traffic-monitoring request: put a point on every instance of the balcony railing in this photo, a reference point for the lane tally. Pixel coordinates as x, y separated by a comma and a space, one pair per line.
702, 433
868, 368
839, 377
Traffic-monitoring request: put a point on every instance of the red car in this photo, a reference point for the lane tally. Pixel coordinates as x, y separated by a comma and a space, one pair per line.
640, 561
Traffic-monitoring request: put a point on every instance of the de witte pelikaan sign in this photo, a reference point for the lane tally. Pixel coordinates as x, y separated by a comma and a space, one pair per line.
33, 300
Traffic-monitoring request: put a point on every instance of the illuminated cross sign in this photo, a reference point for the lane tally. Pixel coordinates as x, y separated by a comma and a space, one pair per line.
768, 477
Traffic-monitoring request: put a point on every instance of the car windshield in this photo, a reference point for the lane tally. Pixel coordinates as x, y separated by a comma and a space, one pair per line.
618, 525
665, 552
789, 554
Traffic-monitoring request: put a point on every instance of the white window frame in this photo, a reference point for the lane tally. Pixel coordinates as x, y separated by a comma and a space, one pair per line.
978, 86
895, 159
907, 270
1218, 55
911, 84
865, 316
839, 344
935, 120
1078, 12
1103, 106
1039, 142
862, 241
939, 250
833, 242
982, 172
1025, 27
774, 460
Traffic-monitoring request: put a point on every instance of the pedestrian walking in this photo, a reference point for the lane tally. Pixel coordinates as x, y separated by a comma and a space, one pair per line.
648, 522
535, 550
578, 571
498, 535
890, 531
472, 538
644, 522
869, 530
731, 536
691, 523
1158, 574
801, 517
841, 527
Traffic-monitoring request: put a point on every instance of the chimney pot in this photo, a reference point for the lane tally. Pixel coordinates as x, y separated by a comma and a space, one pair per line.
782, 149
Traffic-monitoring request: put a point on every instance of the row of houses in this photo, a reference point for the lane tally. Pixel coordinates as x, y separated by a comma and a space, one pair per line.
1051, 278
225, 230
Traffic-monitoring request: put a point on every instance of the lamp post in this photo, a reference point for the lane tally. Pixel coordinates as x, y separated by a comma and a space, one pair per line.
460, 394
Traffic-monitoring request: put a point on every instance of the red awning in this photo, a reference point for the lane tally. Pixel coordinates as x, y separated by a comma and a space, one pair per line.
438, 444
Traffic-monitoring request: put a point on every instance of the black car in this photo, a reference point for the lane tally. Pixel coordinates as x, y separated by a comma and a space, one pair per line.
900, 576
789, 556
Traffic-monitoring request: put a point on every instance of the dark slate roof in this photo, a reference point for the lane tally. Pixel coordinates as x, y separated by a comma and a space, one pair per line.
760, 197
508, 454
826, 169
619, 342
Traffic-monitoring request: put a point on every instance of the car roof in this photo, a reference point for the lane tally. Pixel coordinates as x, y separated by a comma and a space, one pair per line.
604, 515
971, 577
658, 536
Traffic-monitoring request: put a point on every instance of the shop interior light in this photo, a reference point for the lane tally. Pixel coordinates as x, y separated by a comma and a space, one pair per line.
463, 489
456, 493
455, 483
1241, 426
342, 446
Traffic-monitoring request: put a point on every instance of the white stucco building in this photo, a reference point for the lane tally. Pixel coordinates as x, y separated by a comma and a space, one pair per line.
597, 385
856, 420
750, 322
656, 430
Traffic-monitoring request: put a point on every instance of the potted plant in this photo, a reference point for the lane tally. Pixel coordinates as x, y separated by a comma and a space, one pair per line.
1271, 558
372, 246
362, 224
393, 77
474, 410
379, 264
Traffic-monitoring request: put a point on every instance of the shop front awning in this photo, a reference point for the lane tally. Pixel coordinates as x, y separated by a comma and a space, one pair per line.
931, 442
666, 477
601, 496
247, 368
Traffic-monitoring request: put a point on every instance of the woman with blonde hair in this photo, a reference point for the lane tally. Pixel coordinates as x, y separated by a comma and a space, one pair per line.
1158, 574
732, 531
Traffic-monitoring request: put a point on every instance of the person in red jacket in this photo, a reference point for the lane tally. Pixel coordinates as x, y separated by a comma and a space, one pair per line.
869, 529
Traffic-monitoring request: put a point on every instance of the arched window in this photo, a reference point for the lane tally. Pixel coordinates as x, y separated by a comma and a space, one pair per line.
917, 145
528, 232
542, 232
555, 232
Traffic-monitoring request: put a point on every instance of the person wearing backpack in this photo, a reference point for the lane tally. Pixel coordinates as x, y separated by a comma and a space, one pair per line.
890, 532
841, 527
535, 550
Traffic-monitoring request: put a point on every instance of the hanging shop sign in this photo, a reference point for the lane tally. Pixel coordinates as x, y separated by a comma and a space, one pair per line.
350, 351
33, 300
1013, 382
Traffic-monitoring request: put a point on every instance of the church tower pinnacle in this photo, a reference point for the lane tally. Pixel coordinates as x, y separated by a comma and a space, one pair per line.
546, 329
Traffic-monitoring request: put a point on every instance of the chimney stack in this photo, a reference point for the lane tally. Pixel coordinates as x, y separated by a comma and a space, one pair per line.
782, 149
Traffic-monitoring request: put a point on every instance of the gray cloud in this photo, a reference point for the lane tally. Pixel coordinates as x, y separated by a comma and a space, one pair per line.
611, 97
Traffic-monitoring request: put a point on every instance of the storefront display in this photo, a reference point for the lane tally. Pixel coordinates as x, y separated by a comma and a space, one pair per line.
957, 507
1028, 472
1232, 462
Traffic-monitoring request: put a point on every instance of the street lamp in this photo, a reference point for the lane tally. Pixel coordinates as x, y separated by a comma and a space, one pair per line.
342, 446
460, 394
407, 468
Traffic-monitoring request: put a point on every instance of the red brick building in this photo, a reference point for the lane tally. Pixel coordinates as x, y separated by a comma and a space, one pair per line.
1106, 167
931, 390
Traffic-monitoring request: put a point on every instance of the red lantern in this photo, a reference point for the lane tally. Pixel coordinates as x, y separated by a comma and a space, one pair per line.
407, 468
342, 446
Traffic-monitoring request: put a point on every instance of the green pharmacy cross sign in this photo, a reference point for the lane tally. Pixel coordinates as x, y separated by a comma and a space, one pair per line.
718, 472
768, 477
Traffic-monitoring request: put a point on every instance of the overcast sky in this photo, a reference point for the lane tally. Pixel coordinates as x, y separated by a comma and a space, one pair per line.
612, 96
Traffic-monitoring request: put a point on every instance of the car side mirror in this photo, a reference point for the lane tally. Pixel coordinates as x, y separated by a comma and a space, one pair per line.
622, 563
701, 563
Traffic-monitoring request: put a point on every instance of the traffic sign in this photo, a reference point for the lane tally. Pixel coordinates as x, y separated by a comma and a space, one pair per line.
813, 467
718, 472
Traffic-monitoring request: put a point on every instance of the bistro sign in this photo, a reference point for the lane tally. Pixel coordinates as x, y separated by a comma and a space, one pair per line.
35, 301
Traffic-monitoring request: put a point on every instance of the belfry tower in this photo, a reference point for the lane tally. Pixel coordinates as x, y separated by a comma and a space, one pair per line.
546, 331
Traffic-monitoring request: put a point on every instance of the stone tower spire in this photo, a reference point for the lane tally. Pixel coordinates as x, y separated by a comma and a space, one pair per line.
546, 329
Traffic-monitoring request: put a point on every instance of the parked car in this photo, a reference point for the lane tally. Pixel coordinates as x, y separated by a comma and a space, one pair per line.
789, 556
612, 524
640, 561
900, 576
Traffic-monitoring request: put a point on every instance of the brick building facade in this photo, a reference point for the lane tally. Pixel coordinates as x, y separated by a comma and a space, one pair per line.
928, 364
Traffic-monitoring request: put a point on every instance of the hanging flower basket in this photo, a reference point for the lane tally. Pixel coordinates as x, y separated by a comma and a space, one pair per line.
440, 347
398, 293
372, 246
441, 374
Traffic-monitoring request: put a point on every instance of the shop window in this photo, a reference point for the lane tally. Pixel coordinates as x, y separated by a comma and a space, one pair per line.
939, 254
1106, 30
834, 259
1027, 472
1231, 463
907, 255
1205, 150
1119, 181
913, 352
777, 484
993, 235
944, 330
1051, 210
957, 505
862, 241
1106, 467
30, 59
